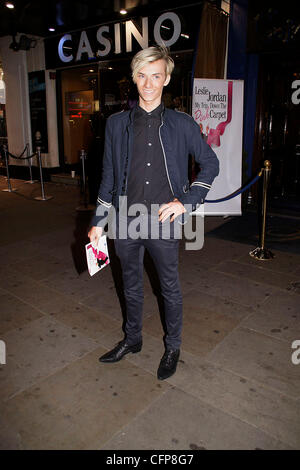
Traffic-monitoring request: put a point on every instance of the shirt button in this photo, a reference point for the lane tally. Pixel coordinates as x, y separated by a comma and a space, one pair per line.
147, 182
149, 143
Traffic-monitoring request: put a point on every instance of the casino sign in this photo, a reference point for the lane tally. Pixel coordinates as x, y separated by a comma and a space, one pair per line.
117, 39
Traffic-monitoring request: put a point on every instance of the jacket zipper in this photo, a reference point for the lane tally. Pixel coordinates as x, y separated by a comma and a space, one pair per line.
124, 187
162, 122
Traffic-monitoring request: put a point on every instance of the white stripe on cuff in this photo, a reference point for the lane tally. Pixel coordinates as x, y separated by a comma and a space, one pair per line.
199, 183
103, 203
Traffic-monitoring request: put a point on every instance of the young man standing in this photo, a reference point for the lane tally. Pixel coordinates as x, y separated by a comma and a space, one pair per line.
146, 160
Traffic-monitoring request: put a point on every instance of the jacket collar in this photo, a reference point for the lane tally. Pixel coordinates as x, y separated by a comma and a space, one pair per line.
133, 111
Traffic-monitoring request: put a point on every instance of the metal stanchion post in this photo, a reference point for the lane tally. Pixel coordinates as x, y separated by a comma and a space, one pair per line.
85, 206
9, 189
261, 252
43, 197
31, 181
249, 198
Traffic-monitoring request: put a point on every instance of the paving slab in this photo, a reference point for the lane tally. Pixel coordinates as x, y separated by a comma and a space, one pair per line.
66, 244
259, 357
78, 286
39, 349
54, 239
228, 287
178, 420
39, 296
201, 331
296, 287
258, 273
283, 262
106, 302
9, 439
81, 318
9, 275
81, 406
297, 270
15, 313
282, 302
28, 290
191, 275
13, 379
61, 236
55, 243
14, 254
41, 266
281, 323
213, 222
105, 295
215, 251
269, 410
208, 303
32, 218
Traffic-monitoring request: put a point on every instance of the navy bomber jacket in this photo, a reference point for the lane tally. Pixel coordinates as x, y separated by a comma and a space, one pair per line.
179, 136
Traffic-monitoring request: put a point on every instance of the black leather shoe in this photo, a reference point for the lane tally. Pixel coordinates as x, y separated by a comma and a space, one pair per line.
168, 364
120, 350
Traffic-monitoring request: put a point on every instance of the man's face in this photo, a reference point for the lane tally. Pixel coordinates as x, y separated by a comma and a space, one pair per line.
150, 82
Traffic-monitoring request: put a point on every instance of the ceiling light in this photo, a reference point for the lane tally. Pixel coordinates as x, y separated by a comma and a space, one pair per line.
91, 70
123, 11
110, 68
51, 29
9, 5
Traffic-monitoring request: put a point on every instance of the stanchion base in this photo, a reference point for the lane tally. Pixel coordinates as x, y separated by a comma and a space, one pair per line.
261, 254
40, 198
31, 182
88, 207
12, 190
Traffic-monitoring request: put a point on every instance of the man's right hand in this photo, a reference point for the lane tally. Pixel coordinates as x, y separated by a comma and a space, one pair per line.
94, 234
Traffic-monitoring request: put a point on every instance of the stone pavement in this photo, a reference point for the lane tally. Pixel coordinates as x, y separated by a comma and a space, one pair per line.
236, 386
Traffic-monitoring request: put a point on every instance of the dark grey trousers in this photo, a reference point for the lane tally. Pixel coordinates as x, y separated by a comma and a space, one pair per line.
164, 253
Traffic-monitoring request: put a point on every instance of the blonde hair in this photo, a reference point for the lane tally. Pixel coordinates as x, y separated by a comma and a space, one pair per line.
151, 54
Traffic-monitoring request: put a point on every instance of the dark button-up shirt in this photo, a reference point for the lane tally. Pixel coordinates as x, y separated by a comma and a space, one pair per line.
147, 180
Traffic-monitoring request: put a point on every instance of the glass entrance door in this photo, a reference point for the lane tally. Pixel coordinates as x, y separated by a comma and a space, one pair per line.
79, 88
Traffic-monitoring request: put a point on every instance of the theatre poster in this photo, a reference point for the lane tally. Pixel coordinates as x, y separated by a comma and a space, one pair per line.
218, 110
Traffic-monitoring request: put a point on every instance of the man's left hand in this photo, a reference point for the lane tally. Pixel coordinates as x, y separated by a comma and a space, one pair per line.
173, 209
